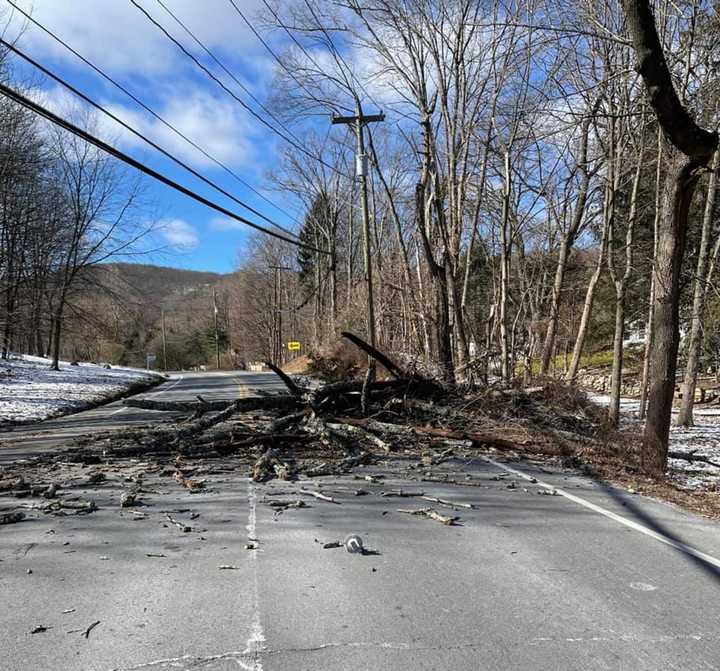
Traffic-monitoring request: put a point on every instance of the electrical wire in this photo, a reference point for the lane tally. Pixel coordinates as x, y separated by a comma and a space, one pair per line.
38, 109
337, 53
146, 107
225, 69
280, 62
138, 134
220, 83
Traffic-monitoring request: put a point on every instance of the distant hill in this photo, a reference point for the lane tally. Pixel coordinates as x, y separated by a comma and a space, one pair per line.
159, 285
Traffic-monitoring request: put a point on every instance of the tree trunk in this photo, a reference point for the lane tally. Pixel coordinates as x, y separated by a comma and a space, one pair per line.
616, 376
685, 417
585, 319
505, 273
694, 148
679, 188
57, 331
549, 343
649, 332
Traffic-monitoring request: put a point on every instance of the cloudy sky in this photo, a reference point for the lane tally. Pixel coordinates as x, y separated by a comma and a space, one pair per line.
118, 38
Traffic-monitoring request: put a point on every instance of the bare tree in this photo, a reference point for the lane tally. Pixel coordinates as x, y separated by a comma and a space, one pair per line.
693, 147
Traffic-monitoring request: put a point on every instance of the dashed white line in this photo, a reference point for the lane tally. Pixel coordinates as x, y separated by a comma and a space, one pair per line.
256, 640
682, 547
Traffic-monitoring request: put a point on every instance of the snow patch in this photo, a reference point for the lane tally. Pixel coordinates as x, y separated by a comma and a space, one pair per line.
30, 391
701, 440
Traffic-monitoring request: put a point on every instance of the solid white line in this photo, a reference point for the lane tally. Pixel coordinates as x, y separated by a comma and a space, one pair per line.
687, 549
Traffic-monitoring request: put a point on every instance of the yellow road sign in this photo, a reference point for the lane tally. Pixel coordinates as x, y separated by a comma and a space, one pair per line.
293, 345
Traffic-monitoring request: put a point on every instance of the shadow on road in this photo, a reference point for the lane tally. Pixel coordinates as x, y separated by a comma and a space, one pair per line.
654, 524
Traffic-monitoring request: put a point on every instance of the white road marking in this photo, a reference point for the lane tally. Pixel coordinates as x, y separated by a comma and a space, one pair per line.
162, 391
682, 547
256, 640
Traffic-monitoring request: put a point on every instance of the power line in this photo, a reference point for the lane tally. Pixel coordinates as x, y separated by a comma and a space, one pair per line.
224, 68
297, 42
112, 151
220, 83
118, 120
280, 62
334, 49
147, 108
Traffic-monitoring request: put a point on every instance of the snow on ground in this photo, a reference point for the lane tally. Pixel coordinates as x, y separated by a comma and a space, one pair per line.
701, 440
30, 391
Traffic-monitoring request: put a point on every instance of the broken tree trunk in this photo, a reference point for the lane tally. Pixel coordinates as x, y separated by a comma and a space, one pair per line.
287, 380
280, 402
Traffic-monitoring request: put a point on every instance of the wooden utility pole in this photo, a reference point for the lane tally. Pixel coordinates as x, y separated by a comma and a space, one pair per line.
277, 347
217, 331
359, 121
164, 340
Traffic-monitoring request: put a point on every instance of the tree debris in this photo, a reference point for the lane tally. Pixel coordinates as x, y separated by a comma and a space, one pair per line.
320, 496
86, 633
183, 527
445, 502
432, 514
12, 518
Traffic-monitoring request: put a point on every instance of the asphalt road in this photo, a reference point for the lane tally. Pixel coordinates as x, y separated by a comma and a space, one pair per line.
26, 440
590, 578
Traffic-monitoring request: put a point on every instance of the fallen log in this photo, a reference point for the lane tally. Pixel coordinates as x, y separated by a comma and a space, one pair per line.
692, 457
285, 422
350, 430
339, 390
247, 404
476, 438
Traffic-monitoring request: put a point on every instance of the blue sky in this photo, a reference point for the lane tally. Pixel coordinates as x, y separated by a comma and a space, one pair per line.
116, 36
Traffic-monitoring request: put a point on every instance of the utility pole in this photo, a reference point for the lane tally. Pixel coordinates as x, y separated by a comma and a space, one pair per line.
164, 338
359, 121
217, 331
278, 349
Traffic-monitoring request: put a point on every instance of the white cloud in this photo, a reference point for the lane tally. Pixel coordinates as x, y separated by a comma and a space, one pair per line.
178, 234
117, 36
218, 125
225, 224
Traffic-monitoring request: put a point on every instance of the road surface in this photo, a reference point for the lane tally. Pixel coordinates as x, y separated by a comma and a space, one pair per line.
26, 440
590, 578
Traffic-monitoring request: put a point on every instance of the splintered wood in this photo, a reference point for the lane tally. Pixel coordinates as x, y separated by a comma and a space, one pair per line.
448, 520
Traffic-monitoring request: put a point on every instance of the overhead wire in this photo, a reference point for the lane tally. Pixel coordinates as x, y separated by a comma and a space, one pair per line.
140, 135
38, 109
224, 68
333, 107
146, 107
337, 53
219, 82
